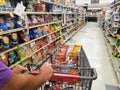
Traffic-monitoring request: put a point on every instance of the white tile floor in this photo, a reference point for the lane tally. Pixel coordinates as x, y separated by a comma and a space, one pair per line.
93, 43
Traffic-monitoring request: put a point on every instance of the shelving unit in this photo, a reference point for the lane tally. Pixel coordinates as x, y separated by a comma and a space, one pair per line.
5, 12
67, 27
22, 45
43, 13
115, 61
117, 3
62, 5
11, 31
44, 24
111, 38
51, 2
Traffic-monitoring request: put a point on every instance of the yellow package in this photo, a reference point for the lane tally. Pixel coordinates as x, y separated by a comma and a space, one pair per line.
76, 49
3, 2
52, 28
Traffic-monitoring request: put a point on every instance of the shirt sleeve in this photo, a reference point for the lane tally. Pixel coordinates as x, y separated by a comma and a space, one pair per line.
5, 74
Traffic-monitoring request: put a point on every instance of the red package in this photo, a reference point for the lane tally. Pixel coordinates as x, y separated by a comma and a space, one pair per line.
61, 52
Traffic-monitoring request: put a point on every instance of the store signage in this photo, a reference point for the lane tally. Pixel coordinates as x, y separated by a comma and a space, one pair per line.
19, 10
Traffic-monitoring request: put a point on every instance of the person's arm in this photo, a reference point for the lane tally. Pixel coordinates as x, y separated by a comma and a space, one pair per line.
28, 81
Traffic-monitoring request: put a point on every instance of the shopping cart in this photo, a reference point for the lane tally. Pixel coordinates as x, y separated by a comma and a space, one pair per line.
73, 56
77, 79
78, 76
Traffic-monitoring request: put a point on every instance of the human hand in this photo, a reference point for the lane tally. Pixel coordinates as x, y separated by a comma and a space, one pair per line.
46, 71
19, 69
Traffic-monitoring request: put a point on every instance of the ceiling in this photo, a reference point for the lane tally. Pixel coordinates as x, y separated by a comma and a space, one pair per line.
98, 5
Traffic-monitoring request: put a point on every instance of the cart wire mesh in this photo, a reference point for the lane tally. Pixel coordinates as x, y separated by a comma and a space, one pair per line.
81, 81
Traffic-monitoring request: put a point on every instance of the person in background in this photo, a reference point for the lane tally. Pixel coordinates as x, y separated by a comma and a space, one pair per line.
16, 80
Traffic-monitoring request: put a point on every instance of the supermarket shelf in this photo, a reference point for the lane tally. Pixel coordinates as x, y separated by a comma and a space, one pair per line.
27, 57
20, 29
57, 4
64, 34
73, 33
118, 3
118, 36
43, 13
69, 7
45, 24
71, 13
8, 50
50, 13
33, 53
78, 30
111, 40
115, 61
117, 48
25, 64
12, 30
51, 2
116, 64
32, 41
66, 26
41, 48
15, 64
71, 19
72, 28
55, 39
27, 42
54, 32
69, 25
5, 12
21, 45
112, 34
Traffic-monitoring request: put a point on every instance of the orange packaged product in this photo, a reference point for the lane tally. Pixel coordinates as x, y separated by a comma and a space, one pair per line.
61, 52
75, 50
55, 1
73, 71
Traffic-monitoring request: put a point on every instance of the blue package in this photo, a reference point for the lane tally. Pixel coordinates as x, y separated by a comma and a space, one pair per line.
34, 33
10, 24
43, 32
19, 23
3, 26
6, 46
14, 42
31, 36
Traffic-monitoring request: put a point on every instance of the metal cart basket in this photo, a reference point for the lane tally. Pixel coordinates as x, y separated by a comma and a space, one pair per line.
80, 57
75, 77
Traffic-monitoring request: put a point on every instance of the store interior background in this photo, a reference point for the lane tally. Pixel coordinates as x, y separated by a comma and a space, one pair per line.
91, 35
89, 1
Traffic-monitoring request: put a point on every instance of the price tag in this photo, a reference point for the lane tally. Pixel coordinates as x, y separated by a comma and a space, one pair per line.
19, 10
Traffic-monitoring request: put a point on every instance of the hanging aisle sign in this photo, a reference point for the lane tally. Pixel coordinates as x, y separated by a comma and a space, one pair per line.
19, 10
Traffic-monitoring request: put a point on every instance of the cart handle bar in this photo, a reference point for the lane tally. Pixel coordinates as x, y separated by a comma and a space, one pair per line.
77, 77
89, 77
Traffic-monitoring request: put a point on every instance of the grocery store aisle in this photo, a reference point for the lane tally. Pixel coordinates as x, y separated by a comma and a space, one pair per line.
93, 43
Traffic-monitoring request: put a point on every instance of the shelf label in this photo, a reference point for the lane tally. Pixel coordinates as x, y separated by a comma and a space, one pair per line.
19, 10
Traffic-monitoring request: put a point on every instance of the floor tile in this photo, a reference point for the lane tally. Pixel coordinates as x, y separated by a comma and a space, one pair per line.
93, 43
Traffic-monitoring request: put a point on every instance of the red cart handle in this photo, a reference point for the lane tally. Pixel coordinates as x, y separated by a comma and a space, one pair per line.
59, 78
